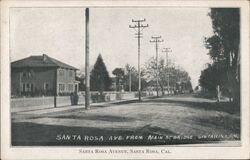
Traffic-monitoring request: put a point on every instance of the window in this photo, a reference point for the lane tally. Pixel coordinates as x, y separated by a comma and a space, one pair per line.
61, 72
70, 87
70, 73
32, 72
28, 87
61, 87
27, 74
46, 86
31, 87
23, 87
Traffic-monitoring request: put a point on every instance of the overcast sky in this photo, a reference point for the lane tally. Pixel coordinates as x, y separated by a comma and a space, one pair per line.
60, 33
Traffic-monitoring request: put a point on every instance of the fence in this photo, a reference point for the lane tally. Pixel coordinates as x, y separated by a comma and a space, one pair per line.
65, 100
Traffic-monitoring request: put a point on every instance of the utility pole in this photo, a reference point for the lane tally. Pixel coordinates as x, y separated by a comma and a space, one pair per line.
87, 79
55, 88
130, 80
157, 40
178, 78
167, 50
20, 83
139, 27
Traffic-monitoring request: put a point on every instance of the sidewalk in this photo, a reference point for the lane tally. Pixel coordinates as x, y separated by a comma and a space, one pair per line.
50, 109
45, 109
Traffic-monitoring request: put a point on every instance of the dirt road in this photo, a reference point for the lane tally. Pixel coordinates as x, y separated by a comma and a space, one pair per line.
165, 120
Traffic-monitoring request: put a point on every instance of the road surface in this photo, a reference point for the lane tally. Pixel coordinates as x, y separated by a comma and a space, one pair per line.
181, 119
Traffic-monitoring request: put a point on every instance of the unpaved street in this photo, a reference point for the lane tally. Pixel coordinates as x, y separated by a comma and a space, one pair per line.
184, 115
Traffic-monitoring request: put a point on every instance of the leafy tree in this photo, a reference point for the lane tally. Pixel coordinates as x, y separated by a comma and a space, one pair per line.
210, 78
82, 85
161, 73
130, 70
99, 77
176, 76
80, 76
224, 49
119, 73
180, 80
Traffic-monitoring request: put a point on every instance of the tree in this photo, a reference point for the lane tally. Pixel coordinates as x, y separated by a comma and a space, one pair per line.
224, 47
131, 71
119, 73
210, 78
176, 76
152, 73
180, 80
80, 76
82, 85
99, 77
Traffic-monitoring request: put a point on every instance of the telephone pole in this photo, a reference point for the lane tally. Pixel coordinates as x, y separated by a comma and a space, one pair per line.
156, 40
167, 50
130, 80
139, 27
87, 76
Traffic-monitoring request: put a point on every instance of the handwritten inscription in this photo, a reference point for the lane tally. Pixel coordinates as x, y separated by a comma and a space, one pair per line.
137, 138
65, 137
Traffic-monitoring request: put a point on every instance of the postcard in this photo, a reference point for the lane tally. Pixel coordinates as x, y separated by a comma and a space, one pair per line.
125, 79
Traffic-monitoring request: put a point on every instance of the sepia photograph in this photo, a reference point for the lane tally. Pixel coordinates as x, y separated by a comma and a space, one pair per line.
125, 76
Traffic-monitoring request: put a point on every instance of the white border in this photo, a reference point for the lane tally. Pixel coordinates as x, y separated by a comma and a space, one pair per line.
73, 152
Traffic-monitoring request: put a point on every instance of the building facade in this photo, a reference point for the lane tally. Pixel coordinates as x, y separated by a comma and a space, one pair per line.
42, 75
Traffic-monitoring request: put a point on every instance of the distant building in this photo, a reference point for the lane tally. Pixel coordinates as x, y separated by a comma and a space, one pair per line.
42, 75
152, 86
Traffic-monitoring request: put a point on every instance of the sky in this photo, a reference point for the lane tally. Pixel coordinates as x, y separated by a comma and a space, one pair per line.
60, 33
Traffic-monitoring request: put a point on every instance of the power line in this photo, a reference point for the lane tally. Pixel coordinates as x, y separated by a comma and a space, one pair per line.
139, 27
156, 40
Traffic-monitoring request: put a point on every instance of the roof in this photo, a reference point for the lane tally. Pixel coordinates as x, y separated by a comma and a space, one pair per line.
40, 61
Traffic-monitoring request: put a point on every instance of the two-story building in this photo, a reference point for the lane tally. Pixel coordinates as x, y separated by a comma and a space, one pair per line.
42, 75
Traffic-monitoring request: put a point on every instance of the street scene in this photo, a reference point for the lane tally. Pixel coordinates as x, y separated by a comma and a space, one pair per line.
121, 77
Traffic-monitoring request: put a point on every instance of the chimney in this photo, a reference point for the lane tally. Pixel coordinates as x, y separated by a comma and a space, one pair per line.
44, 57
